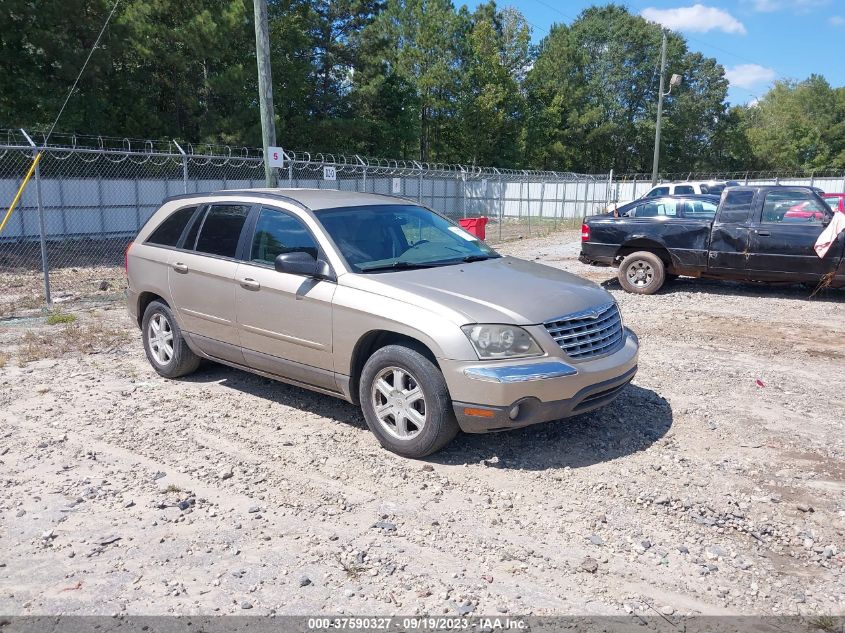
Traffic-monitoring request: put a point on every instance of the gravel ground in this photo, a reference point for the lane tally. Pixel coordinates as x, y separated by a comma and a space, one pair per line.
715, 484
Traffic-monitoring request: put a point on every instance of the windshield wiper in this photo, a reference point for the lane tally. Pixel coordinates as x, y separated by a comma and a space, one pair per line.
397, 265
478, 258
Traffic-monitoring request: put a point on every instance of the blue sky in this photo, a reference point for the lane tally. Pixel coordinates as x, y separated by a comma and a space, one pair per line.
757, 41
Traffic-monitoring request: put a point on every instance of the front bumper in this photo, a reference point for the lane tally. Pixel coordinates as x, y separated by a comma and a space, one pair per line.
545, 389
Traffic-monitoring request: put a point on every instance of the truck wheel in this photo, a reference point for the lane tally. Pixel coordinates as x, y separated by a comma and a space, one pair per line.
164, 344
642, 273
406, 402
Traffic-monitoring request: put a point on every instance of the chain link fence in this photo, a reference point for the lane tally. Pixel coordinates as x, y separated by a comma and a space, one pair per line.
90, 195
67, 237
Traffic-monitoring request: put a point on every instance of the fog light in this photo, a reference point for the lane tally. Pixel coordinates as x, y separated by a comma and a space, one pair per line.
513, 414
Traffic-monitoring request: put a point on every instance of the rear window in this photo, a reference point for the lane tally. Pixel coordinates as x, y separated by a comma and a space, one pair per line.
221, 229
736, 206
684, 189
713, 189
168, 232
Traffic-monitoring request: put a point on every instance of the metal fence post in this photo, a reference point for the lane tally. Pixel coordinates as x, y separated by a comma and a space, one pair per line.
364, 170
184, 165
42, 232
289, 161
462, 183
542, 198
609, 185
586, 193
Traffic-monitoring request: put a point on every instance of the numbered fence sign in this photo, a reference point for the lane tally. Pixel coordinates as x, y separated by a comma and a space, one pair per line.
396, 186
329, 173
277, 157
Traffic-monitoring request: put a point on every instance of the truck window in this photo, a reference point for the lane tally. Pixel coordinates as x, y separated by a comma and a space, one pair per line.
699, 209
792, 206
657, 192
736, 206
684, 189
655, 208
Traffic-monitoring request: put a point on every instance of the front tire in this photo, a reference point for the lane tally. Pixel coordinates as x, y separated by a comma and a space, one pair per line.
642, 273
166, 348
406, 403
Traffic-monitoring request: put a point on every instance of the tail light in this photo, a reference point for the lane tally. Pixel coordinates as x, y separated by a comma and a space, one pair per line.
585, 233
126, 258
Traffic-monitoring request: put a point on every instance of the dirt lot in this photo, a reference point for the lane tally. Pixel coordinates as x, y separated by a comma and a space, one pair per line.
715, 484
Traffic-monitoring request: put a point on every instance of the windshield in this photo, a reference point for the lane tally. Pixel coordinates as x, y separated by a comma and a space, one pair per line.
395, 236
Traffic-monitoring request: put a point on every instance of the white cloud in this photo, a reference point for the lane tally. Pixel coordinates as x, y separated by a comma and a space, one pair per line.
749, 75
697, 18
836, 20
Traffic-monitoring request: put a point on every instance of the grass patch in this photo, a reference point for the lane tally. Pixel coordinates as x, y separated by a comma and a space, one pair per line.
59, 317
4, 359
85, 338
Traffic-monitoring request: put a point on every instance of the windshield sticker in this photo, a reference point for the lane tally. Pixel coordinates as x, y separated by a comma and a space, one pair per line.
469, 237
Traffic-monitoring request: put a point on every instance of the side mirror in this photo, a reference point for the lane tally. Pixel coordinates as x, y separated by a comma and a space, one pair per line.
302, 263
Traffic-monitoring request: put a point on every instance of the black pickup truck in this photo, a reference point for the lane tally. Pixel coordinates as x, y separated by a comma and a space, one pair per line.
762, 233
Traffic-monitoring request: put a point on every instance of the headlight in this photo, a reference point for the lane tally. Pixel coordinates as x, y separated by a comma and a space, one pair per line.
501, 341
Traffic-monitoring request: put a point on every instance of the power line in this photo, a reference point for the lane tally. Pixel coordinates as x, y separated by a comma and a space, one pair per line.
81, 70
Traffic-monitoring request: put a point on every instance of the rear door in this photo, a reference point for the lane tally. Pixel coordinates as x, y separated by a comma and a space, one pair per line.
730, 237
784, 233
202, 279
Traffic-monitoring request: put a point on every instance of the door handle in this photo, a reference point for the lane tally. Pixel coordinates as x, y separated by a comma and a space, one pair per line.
764, 233
179, 267
250, 284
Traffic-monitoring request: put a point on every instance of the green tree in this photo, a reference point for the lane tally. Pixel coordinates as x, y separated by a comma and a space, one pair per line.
592, 95
799, 125
496, 57
422, 45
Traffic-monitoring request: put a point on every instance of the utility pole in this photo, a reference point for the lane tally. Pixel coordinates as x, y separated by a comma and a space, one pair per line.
659, 112
265, 87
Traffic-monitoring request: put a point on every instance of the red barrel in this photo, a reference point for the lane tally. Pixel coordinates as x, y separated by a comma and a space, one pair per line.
476, 226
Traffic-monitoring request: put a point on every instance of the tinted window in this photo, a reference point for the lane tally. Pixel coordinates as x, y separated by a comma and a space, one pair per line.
712, 189
833, 203
277, 233
657, 192
685, 189
169, 231
653, 209
700, 209
221, 229
736, 206
792, 206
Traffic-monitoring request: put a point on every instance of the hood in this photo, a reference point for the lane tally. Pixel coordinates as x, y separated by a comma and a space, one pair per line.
501, 290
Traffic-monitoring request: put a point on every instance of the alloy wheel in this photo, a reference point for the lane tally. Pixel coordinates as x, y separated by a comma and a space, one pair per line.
160, 337
399, 403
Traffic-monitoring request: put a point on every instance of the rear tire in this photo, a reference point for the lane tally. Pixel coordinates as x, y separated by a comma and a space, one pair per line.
406, 402
642, 273
166, 348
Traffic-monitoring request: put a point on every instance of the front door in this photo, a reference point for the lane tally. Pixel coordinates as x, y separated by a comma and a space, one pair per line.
730, 237
790, 222
284, 320
202, 280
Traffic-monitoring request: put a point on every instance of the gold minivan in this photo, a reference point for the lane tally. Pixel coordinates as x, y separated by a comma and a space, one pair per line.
377, 300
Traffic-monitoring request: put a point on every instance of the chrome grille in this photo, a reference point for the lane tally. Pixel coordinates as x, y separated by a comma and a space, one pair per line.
588, 333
